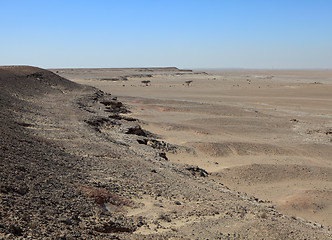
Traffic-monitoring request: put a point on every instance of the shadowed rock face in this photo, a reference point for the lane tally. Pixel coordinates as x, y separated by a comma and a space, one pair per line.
70, 170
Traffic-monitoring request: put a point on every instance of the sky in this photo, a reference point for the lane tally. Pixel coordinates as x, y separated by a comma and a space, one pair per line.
269, 34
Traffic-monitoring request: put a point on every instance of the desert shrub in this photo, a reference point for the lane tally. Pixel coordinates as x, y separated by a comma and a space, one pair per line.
146, 82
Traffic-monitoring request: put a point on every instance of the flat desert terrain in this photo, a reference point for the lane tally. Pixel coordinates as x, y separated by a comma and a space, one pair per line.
266, 133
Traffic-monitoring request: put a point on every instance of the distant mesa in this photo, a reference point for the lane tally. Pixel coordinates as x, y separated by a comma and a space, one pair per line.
159, 69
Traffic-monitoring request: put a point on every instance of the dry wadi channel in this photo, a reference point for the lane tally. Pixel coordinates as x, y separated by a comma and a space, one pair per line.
259, 132
165, 153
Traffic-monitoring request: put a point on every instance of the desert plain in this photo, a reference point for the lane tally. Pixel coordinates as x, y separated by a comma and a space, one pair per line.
267, 133
165, 153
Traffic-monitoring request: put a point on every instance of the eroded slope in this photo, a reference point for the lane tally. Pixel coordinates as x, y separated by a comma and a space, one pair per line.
73, 165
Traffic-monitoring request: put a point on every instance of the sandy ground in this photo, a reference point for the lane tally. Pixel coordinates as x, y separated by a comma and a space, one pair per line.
264, 133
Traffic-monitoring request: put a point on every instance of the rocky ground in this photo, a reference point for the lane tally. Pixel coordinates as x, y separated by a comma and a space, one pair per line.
75, 165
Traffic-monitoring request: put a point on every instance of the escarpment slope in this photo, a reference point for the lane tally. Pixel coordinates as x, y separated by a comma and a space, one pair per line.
74, 164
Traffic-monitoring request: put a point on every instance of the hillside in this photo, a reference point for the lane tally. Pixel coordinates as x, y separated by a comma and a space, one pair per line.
75, 165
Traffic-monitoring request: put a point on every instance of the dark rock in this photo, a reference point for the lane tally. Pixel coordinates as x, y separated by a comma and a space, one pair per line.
137, 130
142, 141
36, 75
99, 122
163, 155
23, 124
114, 104
196, 171
116, 227
66, 221
118, 117
16, 230
22, 190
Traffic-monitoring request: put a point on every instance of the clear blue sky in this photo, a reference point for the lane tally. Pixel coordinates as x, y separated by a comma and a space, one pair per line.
183, 33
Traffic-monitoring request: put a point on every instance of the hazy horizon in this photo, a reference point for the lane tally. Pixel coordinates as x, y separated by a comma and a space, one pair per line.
195, 68
187, 34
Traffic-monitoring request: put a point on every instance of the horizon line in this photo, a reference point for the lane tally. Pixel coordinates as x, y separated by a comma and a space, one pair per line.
180, 68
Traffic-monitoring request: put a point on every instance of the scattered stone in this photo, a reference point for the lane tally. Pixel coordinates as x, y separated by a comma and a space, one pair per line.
114, 104
98, 122
16, 230
116, 227
137, 130
177, 203
165, 217
196, 171
163, 155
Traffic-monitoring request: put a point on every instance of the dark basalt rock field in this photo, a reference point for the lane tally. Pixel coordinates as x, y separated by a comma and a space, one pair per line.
75, 165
